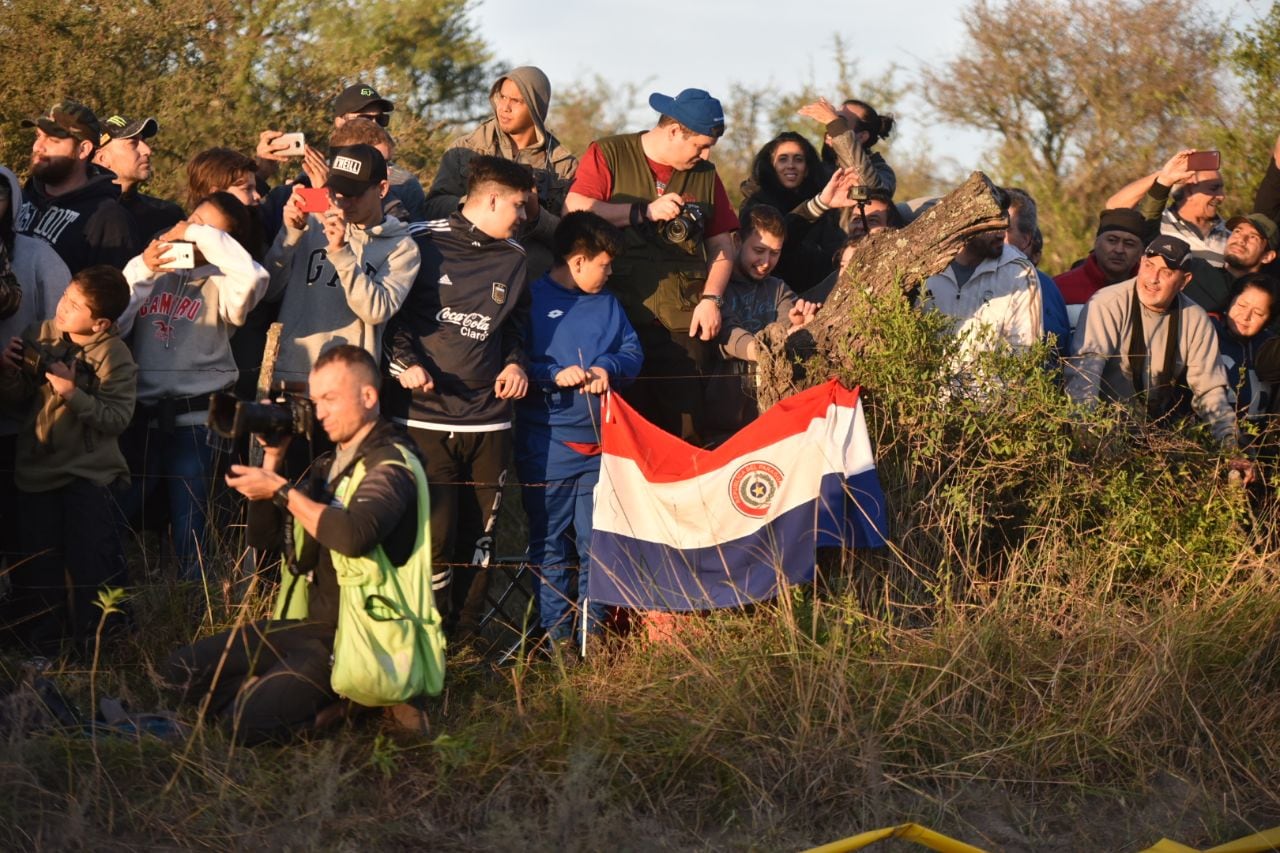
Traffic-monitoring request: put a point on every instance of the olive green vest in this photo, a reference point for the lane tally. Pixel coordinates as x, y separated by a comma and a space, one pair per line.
653, 278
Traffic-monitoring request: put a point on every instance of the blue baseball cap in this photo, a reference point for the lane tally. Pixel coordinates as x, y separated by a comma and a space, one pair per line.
694, 108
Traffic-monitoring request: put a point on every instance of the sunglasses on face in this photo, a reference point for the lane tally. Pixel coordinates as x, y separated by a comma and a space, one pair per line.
383, 119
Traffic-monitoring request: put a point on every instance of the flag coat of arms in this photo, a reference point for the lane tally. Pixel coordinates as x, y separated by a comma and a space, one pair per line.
680, 528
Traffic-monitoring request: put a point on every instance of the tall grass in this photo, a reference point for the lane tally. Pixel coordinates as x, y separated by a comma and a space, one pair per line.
1073, 643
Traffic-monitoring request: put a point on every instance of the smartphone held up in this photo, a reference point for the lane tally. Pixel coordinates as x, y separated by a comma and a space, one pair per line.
290, 145
1204, 161
314, 199
179, 255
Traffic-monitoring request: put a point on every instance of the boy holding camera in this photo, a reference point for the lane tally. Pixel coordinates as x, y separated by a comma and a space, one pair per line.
72, 380
580, 344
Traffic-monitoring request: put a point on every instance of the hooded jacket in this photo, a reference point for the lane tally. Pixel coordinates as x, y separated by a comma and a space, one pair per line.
553, 165
345, 298
86, 226
42, 274
182, 320
62, 440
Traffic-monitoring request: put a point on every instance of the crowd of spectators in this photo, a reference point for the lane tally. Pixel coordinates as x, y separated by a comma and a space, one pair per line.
501, 302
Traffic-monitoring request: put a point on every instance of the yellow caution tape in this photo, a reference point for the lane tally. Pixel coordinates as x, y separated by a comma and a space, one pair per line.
907, 832
1260, 842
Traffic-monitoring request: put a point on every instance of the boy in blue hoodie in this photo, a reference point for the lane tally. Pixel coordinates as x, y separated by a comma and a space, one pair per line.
580, 344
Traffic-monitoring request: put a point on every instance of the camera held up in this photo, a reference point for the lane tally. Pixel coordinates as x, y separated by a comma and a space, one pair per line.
288, 412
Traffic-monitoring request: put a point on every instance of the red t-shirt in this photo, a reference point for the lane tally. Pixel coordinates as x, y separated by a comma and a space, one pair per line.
594, 180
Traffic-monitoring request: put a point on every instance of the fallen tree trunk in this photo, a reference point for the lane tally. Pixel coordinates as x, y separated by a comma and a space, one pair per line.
886, 263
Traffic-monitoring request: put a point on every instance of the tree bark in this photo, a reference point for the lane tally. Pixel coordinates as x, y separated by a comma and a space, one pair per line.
891, 262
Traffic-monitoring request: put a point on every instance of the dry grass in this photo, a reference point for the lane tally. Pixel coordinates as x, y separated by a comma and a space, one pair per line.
1074, 644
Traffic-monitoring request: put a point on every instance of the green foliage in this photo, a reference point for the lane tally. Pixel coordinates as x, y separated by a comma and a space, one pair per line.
1083, 97
216, 72
1071, 644
1249, 124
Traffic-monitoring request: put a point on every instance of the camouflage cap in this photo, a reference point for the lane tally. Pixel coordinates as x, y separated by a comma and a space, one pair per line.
68, 120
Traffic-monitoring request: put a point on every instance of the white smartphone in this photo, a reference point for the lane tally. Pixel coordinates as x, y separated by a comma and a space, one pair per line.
294, 144
181, 255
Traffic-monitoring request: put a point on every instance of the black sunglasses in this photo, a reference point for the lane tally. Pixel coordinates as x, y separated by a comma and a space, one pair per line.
383, 119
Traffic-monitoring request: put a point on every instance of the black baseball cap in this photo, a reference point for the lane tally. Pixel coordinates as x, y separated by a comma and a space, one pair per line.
1176, 253
359, 97
119, 127
355, 168
68, 120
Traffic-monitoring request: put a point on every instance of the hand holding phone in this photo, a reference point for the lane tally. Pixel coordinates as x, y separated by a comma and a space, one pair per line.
179, 255
1204, 161
289, 145
314, 199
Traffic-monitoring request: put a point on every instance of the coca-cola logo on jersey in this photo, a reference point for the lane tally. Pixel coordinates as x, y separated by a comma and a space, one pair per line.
473, 325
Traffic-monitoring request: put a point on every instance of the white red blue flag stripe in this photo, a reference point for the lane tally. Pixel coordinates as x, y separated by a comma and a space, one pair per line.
679, 528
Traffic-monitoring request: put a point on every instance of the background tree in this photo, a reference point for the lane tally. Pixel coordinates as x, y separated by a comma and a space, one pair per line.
1083, 96
1246, 129
215, 72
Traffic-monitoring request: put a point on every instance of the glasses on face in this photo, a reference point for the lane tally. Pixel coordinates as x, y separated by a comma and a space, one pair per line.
383, 119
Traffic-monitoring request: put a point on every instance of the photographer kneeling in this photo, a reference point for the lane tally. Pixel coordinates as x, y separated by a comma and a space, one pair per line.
358, 575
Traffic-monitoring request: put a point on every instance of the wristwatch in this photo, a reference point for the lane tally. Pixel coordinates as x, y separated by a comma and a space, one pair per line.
281, 497
718, 301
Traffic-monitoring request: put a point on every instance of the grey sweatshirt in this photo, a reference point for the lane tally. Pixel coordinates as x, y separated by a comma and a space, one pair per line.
43, 276
553, 166
183, 320
749, 306
346, 298
1099, 366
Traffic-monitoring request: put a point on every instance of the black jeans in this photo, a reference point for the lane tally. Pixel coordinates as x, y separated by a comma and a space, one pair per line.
71, 549
266, 680
670, 391
465, 475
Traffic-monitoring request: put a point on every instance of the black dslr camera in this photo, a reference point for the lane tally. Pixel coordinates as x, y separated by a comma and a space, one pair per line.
687, 225
288, 412
37, 358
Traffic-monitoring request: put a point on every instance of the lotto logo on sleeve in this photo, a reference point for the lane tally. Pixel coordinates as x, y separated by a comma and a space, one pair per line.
350, 165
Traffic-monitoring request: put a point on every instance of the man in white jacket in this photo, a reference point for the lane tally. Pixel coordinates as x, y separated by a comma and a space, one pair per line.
342, 274
992, 292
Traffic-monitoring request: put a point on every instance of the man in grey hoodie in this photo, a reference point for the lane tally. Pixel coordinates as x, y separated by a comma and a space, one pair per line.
516, 132
43, 277
342, 274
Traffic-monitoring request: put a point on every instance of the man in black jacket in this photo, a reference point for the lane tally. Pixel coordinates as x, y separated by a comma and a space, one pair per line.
70, 203
269, 680
456, 347
124, 151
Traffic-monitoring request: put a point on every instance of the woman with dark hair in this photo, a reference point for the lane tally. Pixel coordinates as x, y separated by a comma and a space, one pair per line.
182, 322
1242, 330
851, 133
788, 175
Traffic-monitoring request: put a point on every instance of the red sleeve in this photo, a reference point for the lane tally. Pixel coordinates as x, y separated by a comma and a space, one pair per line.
724, 220
593, 178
